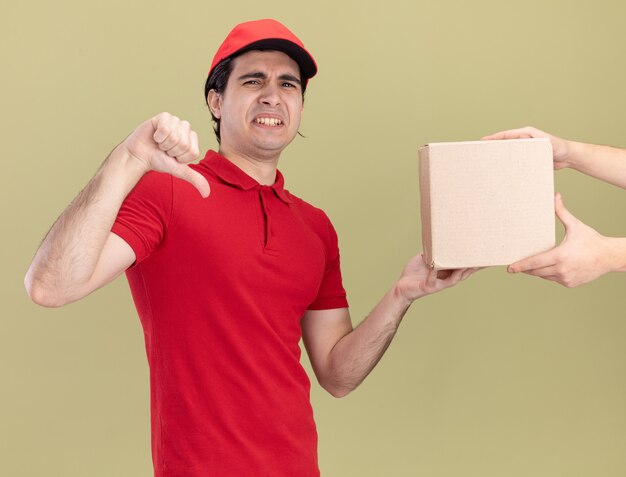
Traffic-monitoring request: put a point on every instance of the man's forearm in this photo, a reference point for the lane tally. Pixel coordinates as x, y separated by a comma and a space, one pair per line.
68, 255
341, 356
602, 162
357, 353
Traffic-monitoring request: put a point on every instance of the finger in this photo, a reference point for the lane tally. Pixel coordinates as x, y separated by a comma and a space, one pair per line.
173, 137
550, 271
468, 272
453, 277
457, 275
519, 133
194, 149
503, 135
183, 171
162, 124
541, 260
564, 215
554, 278
431, 279
184, 141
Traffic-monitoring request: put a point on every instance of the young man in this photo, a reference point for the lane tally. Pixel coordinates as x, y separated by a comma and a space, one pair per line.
226, 284
584, 254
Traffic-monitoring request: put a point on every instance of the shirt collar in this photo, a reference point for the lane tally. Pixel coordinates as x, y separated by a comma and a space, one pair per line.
233, 175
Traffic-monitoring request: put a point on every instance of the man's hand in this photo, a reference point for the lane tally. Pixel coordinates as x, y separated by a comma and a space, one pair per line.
342, 357
418, 280
560, 147
581, 257
80, 253
164, 143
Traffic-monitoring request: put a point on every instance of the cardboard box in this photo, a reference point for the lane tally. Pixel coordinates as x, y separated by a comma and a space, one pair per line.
486, 203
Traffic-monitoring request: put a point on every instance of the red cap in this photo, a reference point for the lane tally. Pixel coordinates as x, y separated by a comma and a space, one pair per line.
265, 34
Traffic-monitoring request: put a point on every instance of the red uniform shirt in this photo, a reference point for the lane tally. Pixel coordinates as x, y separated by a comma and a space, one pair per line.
220, 285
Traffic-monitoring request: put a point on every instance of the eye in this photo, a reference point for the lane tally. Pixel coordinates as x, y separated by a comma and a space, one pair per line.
252, 82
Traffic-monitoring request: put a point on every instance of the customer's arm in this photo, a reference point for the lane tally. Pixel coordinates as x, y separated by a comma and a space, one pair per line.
584, 254
580, 258
602, 162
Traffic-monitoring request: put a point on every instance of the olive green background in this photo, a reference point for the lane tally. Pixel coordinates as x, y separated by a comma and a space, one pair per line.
500, 376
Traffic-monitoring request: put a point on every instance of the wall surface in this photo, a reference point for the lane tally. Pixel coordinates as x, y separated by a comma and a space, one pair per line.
501, 376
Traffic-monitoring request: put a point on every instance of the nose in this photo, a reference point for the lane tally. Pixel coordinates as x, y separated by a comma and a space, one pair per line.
270, 95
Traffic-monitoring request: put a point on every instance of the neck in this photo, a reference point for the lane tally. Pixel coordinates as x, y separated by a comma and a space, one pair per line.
263, 170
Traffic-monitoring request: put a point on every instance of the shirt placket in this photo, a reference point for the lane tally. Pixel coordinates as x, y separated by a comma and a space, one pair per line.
265, 196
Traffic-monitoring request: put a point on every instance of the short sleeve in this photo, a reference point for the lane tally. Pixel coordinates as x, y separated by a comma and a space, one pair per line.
331, 293
145, 213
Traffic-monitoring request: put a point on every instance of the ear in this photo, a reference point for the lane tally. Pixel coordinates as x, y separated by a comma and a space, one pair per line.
214, 100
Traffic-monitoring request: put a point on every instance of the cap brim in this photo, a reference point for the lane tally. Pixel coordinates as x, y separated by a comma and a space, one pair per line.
296, 52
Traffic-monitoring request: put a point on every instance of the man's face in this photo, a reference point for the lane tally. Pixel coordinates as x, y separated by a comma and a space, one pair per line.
260, 108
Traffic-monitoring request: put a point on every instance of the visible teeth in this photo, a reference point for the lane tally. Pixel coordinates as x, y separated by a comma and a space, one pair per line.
269, 121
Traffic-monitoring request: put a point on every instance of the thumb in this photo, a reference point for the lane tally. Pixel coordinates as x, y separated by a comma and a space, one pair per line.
431, 278
186, 173
563, 214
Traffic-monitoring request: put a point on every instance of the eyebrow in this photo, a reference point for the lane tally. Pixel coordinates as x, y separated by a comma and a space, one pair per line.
261, 75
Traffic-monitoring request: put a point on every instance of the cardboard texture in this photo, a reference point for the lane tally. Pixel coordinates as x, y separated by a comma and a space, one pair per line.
486, 203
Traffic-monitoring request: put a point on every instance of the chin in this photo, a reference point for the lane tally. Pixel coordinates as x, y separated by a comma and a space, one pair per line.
275, 146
